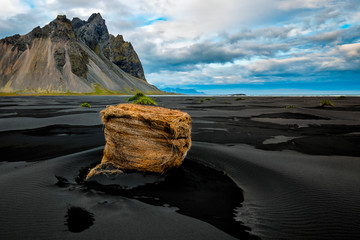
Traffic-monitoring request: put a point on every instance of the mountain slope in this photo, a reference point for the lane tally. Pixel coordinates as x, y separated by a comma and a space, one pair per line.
70, 56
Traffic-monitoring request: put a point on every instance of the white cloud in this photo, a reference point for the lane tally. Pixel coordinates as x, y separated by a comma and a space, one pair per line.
274, 64
10, 8
296, 4
332, 63
351, 50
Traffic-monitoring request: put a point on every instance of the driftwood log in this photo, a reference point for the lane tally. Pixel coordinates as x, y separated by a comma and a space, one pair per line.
143, 138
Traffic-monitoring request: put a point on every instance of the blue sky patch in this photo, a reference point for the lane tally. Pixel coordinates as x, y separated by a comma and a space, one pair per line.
30, 3
150, 22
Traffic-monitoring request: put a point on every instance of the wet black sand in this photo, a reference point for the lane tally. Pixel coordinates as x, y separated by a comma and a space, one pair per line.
263, 167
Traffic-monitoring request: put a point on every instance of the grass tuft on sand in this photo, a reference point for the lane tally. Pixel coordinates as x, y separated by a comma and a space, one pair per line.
289, 106
136, 96
206, 99
85, 104
239, 98
325, 103
145, 101
141, 98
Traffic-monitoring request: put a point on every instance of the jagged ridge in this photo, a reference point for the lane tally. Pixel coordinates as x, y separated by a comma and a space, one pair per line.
70, 56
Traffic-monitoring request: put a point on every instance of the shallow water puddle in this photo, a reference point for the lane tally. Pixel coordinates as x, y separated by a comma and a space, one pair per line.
278, 139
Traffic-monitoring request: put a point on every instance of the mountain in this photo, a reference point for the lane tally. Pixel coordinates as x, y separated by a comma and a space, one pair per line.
71, 56
183, 91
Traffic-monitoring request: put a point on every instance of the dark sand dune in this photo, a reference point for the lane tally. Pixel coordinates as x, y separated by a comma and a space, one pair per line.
256, 170
289, 195
38, 206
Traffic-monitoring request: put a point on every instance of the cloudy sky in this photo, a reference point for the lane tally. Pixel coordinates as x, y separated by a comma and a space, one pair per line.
223, 46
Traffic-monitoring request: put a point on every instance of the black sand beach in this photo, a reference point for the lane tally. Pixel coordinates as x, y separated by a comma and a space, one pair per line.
259, 168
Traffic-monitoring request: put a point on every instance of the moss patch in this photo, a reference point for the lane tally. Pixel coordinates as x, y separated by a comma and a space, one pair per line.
136, 96
141, 98
325, 103
85, 105
239, 98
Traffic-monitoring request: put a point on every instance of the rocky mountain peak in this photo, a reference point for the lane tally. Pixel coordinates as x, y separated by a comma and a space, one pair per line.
119, 38
61, 18
95, 16
124, 56
59, 29
77, 23
92, 32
